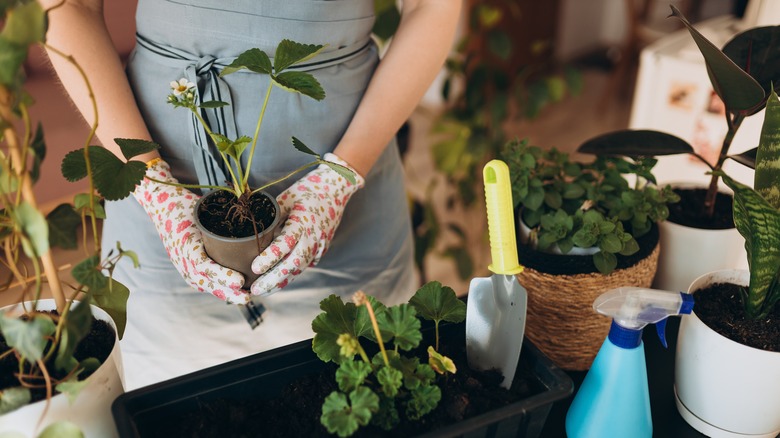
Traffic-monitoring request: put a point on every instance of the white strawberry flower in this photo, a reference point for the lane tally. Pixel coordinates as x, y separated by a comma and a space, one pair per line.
181, 86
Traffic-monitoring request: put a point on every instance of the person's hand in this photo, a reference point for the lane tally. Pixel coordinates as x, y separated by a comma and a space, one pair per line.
313, 207
172, 211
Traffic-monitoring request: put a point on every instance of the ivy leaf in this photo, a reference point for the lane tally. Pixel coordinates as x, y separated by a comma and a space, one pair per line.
351, 374
132, 147
253, 59
390, 380
78, 323
35, 228
12, 56
424, 400
438, 303
113, 299
88, 272
401, 323
25, 24
62, 429
28, 337
72, 388
300, 82
82, 201
63, 223
289, 53
14, 398
344, 418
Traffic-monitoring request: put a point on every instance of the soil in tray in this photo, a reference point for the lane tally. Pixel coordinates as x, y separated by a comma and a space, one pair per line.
225, 215
98, 344
690, 211
720, 307
296, 412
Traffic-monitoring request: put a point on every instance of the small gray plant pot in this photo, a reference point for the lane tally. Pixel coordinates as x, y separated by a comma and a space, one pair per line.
238, 253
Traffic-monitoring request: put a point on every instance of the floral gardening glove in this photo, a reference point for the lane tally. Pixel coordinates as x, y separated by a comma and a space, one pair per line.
172, 210
313, 206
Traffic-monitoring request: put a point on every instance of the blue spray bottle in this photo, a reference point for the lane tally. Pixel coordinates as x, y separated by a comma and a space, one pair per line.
614, 400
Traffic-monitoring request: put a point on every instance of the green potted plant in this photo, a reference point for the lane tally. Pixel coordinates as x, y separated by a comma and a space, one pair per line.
59, 358
583, 228
370, 369
237, 221
727, 369
700, 230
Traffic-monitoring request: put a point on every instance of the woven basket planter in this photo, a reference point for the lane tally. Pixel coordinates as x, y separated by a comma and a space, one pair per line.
561, 320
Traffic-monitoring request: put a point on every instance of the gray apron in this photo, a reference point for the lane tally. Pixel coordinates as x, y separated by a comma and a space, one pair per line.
173, 329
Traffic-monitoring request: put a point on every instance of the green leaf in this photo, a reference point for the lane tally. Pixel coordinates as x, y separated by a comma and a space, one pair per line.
345, 172
635, 143
605, 262
28, 337
63, 225
440, 363
14, 398
351, 374
77, 325
462, 258
88, 272
299, 145
401, 323
72, 388
113, 178
387, 19
422, 375
390, 380
213, 104
757, 51
62, 429
759, 223
300, 82
610, 243
337, 318
253, 59
237, 147
132, 147
344, 418
424, 400
38, 149
35, 228
737, 89
747, 158
767, 176
25, 24
11, 58
113, 299
499, 44
289, 53
438, 303
81, 202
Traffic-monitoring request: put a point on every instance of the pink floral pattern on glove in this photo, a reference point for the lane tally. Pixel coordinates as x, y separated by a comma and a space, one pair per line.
172, 210
313, 207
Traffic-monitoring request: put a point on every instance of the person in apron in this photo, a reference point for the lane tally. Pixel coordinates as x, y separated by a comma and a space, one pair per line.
173, 328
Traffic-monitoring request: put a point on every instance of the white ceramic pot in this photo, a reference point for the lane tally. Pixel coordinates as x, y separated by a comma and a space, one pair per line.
687, 253
91, 410
723, 388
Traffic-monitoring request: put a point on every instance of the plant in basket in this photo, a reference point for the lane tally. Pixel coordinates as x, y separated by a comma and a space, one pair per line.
741, 74
735, 325
238, 221
583, 227
59, 369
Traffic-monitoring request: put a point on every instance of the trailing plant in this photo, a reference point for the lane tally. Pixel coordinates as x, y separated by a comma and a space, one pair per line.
757, 217
741, 74
43, 343
288, 53
389, 385
568, 204
495, 77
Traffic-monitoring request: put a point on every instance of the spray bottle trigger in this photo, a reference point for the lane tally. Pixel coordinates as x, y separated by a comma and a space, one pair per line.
660, 328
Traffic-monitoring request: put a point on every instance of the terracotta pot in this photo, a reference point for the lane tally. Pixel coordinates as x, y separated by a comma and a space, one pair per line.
238, 253
90, 411
724, 388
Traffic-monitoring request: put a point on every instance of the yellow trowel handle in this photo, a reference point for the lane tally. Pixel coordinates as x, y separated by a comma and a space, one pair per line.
501, 222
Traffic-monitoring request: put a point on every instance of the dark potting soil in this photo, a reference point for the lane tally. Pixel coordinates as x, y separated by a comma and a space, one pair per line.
98, 344
225, 215
690, 211
296, 412
720, 307
563, 264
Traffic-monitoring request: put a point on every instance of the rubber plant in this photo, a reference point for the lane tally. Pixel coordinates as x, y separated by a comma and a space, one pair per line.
391, 384
493, 78
741, 74
43, 343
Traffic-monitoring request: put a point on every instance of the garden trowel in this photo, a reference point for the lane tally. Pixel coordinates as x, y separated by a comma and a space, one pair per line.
496, 307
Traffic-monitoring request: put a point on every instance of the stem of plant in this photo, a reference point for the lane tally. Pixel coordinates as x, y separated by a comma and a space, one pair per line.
712, 190
257, 128
237, 186
375, 325
301, 168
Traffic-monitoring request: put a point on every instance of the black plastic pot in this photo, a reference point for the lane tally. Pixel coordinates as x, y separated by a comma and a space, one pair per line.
141, 412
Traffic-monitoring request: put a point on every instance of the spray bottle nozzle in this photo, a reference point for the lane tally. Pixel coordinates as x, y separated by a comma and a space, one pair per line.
633, 308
